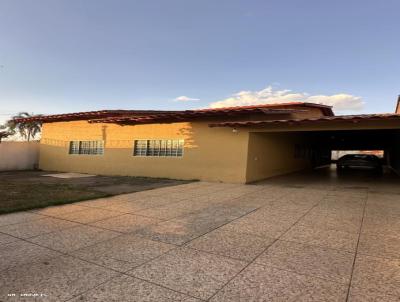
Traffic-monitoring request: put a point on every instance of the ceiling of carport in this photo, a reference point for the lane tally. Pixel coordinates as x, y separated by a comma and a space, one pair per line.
353, 139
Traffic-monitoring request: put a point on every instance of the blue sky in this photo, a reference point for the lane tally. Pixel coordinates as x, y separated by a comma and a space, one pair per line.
65, 56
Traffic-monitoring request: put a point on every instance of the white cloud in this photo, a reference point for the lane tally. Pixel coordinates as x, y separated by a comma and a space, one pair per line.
269, 95
184, 98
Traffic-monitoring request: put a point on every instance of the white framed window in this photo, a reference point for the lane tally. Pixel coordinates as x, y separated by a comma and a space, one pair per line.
158, 147
86, 147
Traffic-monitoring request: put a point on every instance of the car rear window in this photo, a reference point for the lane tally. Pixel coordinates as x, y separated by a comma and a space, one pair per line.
359, 156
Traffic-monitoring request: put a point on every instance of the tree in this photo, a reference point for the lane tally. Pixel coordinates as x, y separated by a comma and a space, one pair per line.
5, 132
24, 126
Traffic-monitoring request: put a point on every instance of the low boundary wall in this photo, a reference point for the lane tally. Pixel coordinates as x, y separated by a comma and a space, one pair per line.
19, 155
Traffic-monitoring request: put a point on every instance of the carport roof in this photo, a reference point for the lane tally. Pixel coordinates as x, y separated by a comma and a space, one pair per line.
350, 118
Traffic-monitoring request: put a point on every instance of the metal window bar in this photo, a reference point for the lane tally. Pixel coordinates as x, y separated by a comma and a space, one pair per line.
158, 148
86, 147
140, 148
74, 147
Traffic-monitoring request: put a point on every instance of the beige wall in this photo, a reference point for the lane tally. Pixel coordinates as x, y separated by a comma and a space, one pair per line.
211, 154
18, 156
272, 154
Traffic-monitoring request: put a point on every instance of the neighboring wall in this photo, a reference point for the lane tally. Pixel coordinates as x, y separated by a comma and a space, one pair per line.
211, 154
19, 155
272, 154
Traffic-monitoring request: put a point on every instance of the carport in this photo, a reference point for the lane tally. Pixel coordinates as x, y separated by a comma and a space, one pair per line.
323, 142
278, 147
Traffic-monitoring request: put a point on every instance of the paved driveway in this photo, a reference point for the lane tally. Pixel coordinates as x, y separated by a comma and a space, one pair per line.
297, 238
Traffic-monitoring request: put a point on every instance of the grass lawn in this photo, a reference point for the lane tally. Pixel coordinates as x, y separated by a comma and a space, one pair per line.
30, 189
15, 197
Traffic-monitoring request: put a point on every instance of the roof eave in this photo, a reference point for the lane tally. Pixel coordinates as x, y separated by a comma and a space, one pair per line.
351, 119
191, 115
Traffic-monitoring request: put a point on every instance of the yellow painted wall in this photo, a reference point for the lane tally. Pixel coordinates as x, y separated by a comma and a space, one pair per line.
272, 154
211, 154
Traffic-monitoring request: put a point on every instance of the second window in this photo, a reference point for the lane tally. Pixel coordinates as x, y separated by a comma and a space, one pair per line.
158, 147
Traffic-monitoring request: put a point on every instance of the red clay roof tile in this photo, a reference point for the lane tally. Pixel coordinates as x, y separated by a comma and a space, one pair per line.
132, 115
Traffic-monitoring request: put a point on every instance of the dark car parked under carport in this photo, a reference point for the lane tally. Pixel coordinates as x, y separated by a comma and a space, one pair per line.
359, 161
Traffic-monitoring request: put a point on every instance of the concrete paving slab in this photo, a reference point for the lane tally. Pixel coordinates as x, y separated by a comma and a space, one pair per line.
197, 193
130, 204
89, 215
335, 209
124, 252
37, 227
305, 199
136, 206
4, 238
68, 175
333, 265
264, 283
354, 192
193, 272
126, 288
181, 230
381, 225
147, 196
358, 294
213, 198
382, 210
329, 238
282, 210
127, 223
269, 228
57, 279
378, 274
264, 194
74, 238
176, 231
247, 201
57, 211
343, 204
380, 246
383, 197
231, 244
20, 252
102, 202
18, 217
336, 221
167, 212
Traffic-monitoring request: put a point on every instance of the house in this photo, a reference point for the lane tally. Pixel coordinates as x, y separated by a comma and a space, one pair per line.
236, 144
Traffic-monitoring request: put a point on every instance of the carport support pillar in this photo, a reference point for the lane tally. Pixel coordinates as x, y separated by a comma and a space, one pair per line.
394, 154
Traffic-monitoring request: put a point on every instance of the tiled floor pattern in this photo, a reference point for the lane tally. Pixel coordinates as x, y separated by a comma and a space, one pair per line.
272, 241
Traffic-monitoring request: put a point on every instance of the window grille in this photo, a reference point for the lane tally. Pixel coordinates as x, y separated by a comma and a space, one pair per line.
86, 147
158, 148
74, 147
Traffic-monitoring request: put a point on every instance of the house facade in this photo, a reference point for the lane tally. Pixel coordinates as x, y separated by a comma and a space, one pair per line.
237, 144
